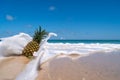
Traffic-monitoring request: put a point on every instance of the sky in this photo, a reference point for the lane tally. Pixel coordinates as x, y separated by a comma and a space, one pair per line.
69, 19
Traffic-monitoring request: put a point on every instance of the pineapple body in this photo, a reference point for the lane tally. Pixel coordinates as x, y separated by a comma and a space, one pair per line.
30, 48
33, 45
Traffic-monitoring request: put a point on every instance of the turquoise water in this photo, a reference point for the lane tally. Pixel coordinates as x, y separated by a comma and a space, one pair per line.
85, 41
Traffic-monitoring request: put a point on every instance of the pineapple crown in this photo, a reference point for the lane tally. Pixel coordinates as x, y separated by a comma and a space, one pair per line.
39, 35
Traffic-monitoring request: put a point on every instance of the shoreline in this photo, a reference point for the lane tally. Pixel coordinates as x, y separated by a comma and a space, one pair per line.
97, 66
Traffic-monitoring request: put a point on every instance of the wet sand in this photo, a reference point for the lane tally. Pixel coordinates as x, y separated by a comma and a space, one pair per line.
93, 67
99, 66
10, 67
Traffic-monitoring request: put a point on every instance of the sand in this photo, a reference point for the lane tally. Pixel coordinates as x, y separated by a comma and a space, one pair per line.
93, 67
10, 67
98, 66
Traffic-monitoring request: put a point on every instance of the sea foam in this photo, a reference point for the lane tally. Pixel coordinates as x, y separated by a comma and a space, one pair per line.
15, 44
31, 70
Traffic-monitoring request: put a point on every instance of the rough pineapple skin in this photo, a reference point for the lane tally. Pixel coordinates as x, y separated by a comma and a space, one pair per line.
30, 48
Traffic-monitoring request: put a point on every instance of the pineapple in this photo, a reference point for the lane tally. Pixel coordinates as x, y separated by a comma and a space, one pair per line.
33, 45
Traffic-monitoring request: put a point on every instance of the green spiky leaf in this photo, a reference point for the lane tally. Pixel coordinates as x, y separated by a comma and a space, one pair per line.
39, 35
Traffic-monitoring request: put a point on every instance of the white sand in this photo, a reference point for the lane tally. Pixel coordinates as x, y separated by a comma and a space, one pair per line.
10, 67
92, 67
98, 66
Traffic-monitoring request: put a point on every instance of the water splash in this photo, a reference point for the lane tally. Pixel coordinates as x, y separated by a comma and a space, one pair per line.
31, 70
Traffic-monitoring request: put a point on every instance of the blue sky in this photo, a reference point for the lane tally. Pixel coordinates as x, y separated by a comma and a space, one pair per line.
70, 19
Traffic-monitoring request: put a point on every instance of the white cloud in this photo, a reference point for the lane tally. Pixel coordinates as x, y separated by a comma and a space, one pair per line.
29, 26
52, 8
9, 17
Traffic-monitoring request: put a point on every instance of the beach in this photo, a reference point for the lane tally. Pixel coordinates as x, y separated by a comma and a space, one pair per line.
59, 61
97, 66
10, 67
59, 39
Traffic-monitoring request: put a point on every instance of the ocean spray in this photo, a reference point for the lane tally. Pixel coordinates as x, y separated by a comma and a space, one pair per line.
31, 70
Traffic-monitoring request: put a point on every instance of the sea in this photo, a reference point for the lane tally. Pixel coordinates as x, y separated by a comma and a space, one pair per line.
85, 41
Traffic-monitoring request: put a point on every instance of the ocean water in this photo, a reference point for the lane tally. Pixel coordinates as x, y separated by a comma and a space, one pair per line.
85, 41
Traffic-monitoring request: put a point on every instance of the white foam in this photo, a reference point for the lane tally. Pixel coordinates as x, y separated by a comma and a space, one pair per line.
31, 70
80, 48
13, 45
16, 43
